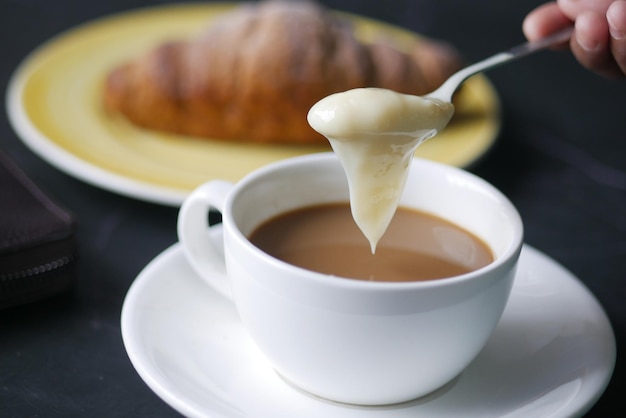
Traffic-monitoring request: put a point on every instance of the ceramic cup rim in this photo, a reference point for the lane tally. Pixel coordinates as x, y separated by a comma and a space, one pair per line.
506, 258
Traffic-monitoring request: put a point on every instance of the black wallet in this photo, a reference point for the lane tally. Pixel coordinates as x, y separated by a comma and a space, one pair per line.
37, 240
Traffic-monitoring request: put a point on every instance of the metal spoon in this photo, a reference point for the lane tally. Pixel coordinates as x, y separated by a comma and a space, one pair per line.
447, 89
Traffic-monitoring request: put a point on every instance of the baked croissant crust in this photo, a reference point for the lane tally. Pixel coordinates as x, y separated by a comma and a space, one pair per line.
254, 74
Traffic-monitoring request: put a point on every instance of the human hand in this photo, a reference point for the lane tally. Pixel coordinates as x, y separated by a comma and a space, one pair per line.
599, 38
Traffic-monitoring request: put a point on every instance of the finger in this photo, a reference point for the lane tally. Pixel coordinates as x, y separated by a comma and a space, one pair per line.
616, 18
590, 44
574, 8
543, 21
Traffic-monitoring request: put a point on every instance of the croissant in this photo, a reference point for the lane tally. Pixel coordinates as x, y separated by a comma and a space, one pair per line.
254, 74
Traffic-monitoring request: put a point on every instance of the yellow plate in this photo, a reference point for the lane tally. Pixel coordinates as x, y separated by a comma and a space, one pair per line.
54, 104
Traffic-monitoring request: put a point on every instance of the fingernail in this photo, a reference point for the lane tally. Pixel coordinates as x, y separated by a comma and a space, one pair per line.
587, 44
615, 16
615, 32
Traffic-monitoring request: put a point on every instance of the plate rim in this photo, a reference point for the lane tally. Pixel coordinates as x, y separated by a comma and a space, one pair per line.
67, 162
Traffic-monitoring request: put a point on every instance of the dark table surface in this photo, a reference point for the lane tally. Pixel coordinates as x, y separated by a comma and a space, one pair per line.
561, 158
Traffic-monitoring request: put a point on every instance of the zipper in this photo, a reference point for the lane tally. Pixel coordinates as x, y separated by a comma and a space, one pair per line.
37, 270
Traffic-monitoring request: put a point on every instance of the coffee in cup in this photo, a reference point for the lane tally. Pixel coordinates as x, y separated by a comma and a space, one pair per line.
416, 245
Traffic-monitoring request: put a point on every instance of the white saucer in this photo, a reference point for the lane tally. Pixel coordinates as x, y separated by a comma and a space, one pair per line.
552, 354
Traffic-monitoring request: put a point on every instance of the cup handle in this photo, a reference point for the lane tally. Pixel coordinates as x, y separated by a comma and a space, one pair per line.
203, 253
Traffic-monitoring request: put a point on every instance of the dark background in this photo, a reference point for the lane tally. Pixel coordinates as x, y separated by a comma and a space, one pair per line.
561, 158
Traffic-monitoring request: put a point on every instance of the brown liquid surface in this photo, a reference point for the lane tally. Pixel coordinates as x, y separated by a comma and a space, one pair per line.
417, 246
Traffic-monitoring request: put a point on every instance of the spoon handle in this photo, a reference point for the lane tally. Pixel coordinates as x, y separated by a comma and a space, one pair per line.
447, 89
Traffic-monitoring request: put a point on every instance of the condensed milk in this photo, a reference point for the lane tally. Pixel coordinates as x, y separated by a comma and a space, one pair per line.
375, 133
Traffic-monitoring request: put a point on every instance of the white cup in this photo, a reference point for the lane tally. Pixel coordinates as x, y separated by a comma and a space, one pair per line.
355, 341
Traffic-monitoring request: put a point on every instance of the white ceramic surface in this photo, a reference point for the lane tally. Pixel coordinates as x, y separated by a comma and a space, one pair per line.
356, 341
552, 353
